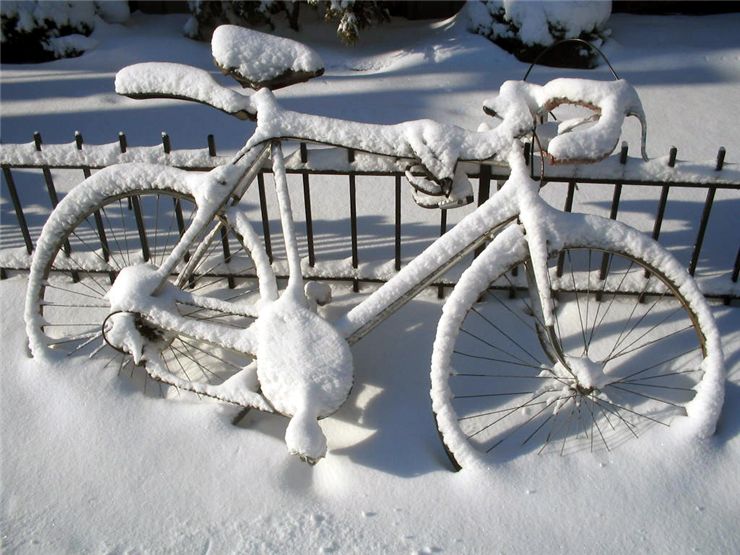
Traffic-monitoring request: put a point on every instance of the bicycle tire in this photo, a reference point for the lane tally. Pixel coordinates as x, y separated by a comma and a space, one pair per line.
645, 352
118, 217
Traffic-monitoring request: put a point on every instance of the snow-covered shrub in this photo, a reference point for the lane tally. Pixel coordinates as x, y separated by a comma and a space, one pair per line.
526, 27
34, 31
207, 15
351, 15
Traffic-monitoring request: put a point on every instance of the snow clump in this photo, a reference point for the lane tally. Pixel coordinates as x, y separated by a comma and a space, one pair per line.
39, 31
525, 28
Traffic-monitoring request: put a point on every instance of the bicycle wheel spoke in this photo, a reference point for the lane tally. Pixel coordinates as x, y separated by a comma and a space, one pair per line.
596, 424
497, 411
203, 370
492, 359
527, 308
512, 312
669, 359
641, 415
656, 386
494, 347
615, 412
626, 389
228, 363
621, 339
518, 377
73, 338
85, 344
202, 367
507, 336
508, 413
119, 250
623, 353
657, 376
90, 250
537, 429
543, 409
613, 297
567, 429
578, 303
125, 233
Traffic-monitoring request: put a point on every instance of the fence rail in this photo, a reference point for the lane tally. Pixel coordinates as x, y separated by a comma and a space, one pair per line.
717, 274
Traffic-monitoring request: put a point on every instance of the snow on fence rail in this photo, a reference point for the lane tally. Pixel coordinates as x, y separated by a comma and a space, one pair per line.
716, 268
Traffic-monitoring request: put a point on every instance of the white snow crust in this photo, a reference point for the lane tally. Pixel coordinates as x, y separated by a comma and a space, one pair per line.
89, 464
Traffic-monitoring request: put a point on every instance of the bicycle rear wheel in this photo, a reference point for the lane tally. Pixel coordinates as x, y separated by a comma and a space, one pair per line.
634, 333
115, 220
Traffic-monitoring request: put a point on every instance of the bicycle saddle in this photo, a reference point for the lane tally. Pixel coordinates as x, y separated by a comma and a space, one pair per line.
259, 60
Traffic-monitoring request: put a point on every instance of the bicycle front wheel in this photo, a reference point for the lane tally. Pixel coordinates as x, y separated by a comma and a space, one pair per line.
131, 215
631, 341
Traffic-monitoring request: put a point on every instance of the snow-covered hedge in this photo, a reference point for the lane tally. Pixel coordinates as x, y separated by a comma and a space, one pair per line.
350, 15
38, 31
526, 27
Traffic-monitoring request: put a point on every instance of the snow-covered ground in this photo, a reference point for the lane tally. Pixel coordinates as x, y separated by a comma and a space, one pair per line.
91, 465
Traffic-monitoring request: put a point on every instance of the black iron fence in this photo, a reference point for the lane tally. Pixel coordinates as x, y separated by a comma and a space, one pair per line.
698, 203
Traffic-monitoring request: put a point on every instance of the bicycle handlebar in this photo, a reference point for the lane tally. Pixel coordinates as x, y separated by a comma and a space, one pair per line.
437, 146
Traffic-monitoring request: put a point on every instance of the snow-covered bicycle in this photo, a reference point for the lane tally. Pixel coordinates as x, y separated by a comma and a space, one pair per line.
609, 334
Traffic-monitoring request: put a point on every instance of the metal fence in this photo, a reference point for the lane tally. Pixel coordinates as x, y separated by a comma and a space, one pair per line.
663, 184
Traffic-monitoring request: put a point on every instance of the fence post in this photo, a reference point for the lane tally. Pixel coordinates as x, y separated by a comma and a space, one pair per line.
664, 196
705, 214
96, 215
605, 260
484, 192
54, 198
398, 223
353, 218
211, 141
18, 208
442, 231
307, 206
265, 217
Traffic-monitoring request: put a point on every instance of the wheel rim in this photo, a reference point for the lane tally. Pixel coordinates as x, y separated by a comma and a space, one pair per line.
131, 229
633, 353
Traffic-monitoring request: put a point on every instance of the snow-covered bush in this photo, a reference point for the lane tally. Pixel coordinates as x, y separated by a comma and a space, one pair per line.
38, 31
351, 15
525, 27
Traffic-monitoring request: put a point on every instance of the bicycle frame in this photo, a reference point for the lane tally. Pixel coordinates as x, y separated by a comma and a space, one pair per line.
474, 230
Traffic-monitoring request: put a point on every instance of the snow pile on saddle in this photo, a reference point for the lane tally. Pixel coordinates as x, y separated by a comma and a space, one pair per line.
260, 60
164, 79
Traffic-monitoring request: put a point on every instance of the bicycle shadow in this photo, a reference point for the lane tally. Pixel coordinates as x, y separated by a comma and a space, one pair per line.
389, 410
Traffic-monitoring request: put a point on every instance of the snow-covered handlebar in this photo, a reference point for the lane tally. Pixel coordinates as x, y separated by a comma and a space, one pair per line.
611, 102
